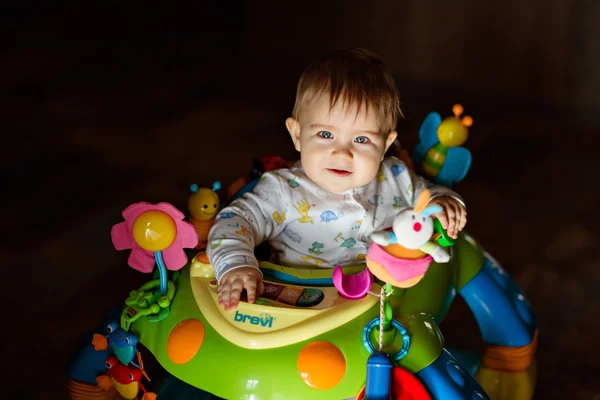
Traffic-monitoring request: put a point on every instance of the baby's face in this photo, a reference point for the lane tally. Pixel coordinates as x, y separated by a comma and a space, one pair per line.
340, 149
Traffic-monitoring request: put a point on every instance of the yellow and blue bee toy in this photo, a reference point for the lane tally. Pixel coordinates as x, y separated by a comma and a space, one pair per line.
440, 154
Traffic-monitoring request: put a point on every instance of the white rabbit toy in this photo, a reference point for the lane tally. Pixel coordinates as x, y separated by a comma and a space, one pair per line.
413, 229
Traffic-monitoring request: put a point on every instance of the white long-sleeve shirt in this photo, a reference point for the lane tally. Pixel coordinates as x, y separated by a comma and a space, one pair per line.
306, 225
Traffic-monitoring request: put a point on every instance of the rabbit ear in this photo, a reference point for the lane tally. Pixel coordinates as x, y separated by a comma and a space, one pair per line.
422, 200
434, 209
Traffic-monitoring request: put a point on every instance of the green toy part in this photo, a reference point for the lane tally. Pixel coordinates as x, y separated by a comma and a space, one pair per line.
419, 309
147, 301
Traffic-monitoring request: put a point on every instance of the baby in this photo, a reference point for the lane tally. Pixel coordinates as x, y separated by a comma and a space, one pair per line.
323, 210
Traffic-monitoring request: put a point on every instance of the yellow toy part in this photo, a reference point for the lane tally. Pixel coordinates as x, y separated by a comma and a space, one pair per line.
127, 391
201, 266
273, 321
453, 131
500, 385
203, 203
154, 230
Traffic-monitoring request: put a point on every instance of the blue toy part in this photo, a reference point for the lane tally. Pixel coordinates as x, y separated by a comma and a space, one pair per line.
122, 344
88, 363
427, 136
446, 379
455, 168
396, 325
469, 360
503, 314
379, 377
248, 187
162, 268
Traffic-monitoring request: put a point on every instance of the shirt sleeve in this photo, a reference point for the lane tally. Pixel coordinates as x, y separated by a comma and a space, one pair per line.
243, 225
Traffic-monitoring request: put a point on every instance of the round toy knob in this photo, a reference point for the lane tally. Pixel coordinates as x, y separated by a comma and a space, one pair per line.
154, 230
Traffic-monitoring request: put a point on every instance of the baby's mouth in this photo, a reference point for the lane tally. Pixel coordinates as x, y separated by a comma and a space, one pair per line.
339, 172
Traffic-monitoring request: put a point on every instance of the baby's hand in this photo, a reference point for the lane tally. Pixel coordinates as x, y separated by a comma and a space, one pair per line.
454, 215
235, 281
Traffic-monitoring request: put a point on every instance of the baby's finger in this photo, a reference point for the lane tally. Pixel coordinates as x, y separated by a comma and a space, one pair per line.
236, 291
451, 211
261, 288
463, 218
443, 218
251, 289
224, 291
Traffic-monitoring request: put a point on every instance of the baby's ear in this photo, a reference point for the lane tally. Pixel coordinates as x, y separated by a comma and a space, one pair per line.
390, 139
293, 127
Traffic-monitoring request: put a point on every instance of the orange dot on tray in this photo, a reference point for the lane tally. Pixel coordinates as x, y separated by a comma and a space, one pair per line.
321, 365
185, 341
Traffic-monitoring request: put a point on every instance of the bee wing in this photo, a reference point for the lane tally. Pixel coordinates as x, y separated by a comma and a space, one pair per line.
427, 136
456, 166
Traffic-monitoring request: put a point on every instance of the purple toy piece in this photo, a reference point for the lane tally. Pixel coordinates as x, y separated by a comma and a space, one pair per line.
352, 287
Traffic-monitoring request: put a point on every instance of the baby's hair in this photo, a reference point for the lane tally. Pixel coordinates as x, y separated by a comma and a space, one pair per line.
357, 76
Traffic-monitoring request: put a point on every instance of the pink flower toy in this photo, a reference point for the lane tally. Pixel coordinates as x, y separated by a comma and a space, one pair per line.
156, 234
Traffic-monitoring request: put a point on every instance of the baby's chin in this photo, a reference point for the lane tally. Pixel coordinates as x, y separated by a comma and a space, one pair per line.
336, 187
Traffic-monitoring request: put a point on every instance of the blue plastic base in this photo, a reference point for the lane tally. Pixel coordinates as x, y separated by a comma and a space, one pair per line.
503, 314
89, 363
469, 360
446, 379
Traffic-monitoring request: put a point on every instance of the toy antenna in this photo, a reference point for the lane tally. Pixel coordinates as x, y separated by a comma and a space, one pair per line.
457, 109
141, 364
216, 186
467, 121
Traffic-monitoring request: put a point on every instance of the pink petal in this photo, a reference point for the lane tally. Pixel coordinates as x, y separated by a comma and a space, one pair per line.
171, 210
141, 260
131, 212
174, 257
121, 236
187, 237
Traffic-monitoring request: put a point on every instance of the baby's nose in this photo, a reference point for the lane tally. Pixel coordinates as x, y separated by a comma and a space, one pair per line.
342, 152
417, 226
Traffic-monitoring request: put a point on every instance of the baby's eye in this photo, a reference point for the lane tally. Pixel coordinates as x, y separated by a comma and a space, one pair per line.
361, 139
325, 135
413, 216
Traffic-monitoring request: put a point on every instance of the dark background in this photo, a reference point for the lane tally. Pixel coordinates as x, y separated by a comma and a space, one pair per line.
110, 103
